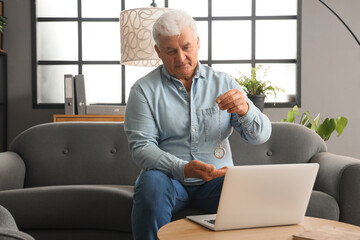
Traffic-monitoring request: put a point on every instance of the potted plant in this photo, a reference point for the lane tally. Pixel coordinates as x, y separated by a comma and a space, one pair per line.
256, 88
322, 127
3, 24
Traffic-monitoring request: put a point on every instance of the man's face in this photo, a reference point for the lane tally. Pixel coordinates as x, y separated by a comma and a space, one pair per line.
179, 54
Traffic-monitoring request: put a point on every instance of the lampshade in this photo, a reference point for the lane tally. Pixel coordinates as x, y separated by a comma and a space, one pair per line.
137, 44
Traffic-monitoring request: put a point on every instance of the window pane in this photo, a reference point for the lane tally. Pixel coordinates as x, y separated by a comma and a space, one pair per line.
202, 28
56, 8
234, 70
107, 8
281, 75
133, 73
50, 82
231, 40
101, 41
276, 39
102, 83
141, 4
197, 8
238, 8
57, 41
276, 7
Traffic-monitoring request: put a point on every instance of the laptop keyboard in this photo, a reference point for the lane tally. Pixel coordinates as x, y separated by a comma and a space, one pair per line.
211, 221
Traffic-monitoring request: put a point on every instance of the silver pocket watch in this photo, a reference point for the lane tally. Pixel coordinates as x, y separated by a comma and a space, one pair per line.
219, 151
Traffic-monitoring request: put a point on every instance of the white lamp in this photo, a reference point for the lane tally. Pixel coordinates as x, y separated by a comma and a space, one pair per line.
137, 44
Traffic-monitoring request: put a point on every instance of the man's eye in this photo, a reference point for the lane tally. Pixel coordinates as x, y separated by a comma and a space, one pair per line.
186, 48
171, 52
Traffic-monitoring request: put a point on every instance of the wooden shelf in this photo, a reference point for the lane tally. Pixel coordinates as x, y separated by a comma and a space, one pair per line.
88, 118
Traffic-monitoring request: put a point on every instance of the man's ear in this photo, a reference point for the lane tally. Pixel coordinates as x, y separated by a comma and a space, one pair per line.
198, 43
157, 50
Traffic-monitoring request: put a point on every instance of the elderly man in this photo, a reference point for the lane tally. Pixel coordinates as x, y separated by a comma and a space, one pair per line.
178, 120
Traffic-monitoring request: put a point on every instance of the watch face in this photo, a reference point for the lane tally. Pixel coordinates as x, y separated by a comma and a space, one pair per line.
219, 152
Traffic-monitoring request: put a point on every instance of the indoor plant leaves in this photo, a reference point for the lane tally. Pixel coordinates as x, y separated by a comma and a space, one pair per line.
324, 129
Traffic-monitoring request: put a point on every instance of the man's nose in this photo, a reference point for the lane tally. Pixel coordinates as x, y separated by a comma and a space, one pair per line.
181, 56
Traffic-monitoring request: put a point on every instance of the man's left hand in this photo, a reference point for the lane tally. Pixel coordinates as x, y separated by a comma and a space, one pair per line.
201, 170
233, 101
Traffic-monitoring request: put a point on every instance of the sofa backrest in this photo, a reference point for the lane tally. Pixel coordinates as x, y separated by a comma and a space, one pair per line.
76, 153
289, 143
98, 153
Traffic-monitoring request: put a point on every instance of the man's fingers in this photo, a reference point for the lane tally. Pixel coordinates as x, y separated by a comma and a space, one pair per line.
207, 172
223, 99
220, 172
224, 169
231, 105
215, 173
230, 99
210, 168
233, 101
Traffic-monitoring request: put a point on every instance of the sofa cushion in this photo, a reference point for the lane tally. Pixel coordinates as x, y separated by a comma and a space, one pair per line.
71, 207
289, 143
71, 153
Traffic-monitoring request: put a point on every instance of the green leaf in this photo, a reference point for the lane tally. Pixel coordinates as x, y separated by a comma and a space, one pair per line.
310, 121
290, 116
303, 119
255, 85
292, 113
317, 119
296, 110
326, 128
341, 123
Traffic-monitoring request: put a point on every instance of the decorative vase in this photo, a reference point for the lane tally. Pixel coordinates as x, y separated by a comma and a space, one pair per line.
258, 101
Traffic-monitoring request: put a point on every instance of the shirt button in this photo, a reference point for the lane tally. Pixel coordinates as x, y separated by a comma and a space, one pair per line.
193, 129
180, 88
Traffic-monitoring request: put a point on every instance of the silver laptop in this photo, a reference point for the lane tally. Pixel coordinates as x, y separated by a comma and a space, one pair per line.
261, 196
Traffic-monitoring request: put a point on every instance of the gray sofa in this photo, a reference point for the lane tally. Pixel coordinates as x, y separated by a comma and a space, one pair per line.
75, 180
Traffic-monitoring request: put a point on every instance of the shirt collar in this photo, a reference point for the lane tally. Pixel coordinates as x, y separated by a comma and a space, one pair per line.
200, 71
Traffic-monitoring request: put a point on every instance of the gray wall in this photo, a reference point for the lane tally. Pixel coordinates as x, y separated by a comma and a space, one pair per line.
330, 69
17, 43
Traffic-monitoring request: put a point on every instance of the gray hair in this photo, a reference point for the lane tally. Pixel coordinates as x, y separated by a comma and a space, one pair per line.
172, 23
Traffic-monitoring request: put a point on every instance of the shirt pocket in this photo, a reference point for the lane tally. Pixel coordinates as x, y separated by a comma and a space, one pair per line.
210, 118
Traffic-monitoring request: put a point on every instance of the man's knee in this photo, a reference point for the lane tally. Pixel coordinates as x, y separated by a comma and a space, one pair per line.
153, 184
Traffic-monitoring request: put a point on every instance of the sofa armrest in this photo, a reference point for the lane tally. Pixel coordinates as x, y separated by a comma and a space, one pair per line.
12, 171
14, 234
8, 227
339, 176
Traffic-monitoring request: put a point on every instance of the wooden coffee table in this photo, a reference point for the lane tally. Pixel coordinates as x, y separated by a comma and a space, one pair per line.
186, 229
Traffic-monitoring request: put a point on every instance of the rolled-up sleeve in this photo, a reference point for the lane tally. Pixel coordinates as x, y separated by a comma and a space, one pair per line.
254, 126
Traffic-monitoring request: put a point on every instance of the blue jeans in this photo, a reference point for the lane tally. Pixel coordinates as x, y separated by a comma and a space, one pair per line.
157, 197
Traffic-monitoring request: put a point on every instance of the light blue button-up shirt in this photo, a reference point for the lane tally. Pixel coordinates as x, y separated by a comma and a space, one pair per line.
167, 127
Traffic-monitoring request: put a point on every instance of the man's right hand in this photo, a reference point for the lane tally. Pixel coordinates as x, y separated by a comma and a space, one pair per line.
200, 170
